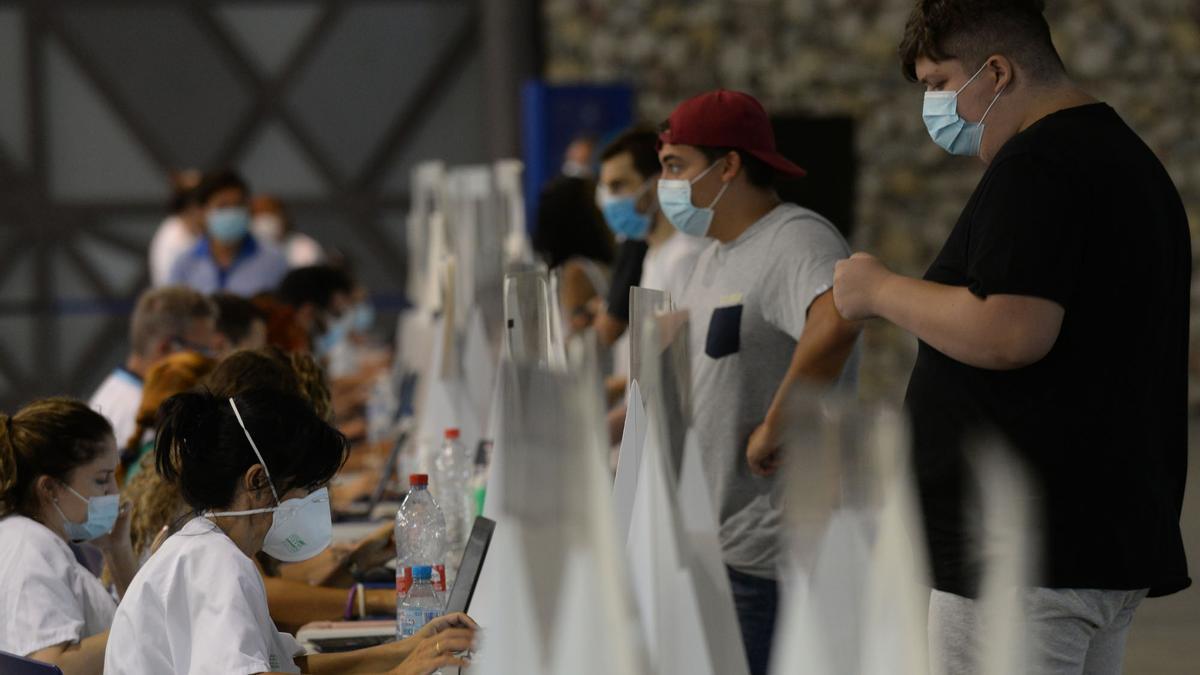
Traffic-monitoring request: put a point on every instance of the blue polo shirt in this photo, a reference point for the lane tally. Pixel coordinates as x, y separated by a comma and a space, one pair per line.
255, 269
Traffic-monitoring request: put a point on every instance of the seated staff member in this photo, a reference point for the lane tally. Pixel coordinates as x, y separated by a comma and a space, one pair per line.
57, 465
253, 471
300, 598
172, 375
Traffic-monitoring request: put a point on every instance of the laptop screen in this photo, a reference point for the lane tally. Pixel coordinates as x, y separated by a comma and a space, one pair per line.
472, 563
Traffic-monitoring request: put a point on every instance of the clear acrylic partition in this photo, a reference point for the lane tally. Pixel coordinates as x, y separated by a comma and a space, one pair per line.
855, 561
644, 303
527, 315
512, 198
450, 366
665, 372
428, 187
558, 323
473, 213
1004, 510
556, 543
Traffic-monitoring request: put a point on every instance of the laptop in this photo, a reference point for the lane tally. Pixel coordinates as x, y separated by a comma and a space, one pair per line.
338, 636
363, 510
471, 565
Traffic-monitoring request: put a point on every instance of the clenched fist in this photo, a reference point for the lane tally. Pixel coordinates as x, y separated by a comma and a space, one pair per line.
856, 283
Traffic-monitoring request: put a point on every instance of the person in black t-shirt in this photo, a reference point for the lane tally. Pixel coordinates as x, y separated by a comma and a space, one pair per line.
1056, 316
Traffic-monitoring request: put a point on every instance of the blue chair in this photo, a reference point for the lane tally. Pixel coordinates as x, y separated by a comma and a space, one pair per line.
11, 664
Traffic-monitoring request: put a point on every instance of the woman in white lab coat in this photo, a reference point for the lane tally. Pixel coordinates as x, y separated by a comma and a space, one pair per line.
253, 470
57, 464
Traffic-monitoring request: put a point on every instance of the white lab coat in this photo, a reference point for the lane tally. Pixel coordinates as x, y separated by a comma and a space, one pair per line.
46, 597
197, 606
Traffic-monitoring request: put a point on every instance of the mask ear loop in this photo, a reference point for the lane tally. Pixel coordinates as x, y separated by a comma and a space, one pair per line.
254, 447
989, 108
968, 82
724, 186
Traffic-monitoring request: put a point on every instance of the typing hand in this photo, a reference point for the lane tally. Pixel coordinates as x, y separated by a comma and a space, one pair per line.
446, 622
438, 651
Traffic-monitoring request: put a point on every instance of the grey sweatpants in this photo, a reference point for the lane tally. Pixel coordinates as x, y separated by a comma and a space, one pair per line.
1072, 631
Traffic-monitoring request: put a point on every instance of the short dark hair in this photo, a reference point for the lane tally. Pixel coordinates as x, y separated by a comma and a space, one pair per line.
201, 446
49, 437
183, 190
215, 181
973, 30
315, 284
642, 145
236, 316
759, 173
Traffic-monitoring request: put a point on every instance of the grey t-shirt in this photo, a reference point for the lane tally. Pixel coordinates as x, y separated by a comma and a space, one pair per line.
748, 301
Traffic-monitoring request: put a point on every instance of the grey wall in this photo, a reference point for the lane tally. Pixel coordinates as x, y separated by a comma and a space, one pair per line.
326, 104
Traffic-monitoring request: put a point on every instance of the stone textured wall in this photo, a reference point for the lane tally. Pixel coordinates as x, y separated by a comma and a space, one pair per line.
837, 57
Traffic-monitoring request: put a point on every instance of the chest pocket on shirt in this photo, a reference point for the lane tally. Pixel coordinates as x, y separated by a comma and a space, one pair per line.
724, 332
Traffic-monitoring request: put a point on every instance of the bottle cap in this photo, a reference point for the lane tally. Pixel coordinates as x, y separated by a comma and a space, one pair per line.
452, 433
418, 480
422, 572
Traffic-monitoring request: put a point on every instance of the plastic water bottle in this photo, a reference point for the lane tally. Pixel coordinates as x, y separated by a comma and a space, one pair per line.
452, 486
422, 604
420, 540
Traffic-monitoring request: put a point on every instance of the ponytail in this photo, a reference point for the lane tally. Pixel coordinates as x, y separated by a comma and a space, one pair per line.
8, 468
49, 437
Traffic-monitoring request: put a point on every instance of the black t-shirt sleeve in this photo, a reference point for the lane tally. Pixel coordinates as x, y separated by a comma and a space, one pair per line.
627, 273
1024, 237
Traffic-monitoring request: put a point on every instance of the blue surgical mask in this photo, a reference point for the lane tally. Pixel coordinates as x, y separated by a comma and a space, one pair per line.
102, 514
949, 130
228, 225
362, 317
675, 200
336, 331
622, 215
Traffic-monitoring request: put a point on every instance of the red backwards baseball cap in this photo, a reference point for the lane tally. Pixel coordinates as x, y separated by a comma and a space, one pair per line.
727, 119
